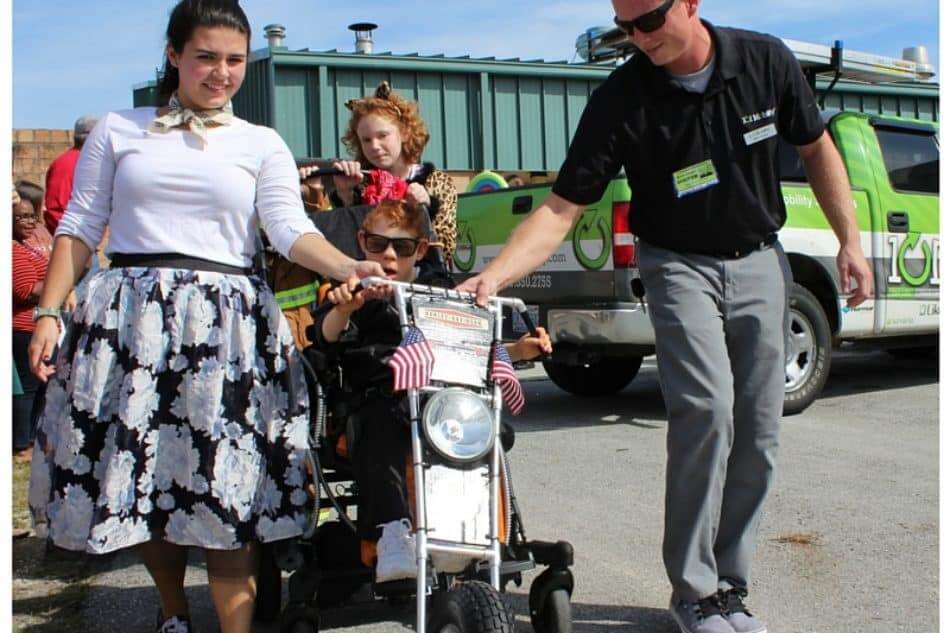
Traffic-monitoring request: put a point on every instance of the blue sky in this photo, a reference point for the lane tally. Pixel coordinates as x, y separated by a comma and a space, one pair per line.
79, 56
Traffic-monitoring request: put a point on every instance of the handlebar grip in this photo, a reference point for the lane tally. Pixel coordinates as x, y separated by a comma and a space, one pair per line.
528, 321
327, 171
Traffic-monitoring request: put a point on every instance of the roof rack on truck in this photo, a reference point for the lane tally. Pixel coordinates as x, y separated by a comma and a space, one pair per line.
611, 45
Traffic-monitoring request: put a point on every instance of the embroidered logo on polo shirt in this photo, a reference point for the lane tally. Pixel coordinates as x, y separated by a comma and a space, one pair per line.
749, 119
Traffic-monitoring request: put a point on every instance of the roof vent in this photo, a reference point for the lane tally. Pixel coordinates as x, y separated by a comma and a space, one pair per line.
275, 34
364, 36
918, 55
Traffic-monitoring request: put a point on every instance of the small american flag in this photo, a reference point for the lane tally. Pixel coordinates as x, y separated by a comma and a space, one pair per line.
412, 361
504, 374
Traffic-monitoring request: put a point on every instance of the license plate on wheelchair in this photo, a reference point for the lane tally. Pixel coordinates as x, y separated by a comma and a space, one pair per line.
457, 504
460, 336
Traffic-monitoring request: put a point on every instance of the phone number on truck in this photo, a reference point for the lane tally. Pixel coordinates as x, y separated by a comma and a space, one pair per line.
533, 281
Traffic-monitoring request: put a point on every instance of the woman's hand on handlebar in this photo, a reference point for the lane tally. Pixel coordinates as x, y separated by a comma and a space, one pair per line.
352, 176
40, 351
364, 268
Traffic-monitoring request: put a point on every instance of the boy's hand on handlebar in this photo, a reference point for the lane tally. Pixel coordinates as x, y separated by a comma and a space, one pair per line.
531, 345
348, 299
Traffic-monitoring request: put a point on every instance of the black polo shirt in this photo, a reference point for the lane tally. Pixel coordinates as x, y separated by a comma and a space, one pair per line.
663, 136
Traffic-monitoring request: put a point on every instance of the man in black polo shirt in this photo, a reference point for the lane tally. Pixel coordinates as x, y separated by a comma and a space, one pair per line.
695, 121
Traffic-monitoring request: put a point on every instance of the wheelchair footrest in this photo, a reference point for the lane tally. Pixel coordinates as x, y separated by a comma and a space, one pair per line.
399, 587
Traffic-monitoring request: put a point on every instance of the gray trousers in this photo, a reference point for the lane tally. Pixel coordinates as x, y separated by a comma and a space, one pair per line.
720, 349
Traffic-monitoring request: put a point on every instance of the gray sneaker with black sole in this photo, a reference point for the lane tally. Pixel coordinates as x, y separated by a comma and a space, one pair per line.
737, 614
701, 616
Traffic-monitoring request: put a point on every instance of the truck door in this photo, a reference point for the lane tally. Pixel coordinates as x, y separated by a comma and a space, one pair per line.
908, 188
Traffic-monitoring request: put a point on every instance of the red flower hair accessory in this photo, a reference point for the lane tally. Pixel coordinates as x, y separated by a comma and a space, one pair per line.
383, 185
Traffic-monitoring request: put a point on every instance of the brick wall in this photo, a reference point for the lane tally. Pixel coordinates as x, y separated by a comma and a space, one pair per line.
34, 150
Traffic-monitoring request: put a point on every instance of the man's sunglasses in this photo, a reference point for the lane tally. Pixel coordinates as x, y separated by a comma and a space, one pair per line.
646, 23
404, 246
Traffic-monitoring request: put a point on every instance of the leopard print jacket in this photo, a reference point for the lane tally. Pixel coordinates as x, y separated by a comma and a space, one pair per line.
443, 208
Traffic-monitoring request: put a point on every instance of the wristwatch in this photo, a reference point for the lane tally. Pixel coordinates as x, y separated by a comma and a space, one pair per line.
39, 313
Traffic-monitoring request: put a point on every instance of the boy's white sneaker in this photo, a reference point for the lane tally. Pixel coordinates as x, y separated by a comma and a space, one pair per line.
396, 552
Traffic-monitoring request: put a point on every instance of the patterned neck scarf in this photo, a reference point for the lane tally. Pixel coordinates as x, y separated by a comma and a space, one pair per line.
197, 121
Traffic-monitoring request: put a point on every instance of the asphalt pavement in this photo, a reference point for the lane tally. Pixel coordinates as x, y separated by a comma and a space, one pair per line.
849, 539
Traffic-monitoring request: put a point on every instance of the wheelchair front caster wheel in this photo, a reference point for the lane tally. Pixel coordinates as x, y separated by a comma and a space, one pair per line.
554, 614
299, 619
549, 601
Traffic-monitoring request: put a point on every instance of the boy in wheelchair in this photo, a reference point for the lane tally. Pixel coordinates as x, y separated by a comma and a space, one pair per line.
361, 330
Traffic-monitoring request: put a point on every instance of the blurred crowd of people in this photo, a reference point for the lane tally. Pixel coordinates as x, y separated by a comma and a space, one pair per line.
36, 214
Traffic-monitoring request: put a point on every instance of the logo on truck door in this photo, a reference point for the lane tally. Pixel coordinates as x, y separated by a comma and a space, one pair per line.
901, 272
464, 249
592, 227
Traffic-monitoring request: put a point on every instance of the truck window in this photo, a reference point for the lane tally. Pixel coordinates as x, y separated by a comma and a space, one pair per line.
912, 159
790, 163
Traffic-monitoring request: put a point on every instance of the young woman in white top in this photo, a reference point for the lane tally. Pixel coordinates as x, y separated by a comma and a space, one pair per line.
177, 412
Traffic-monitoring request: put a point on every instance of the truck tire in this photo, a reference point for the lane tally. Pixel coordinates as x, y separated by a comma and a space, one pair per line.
808, 356
602, 378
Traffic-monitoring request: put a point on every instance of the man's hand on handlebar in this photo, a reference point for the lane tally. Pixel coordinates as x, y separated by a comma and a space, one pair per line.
481, 286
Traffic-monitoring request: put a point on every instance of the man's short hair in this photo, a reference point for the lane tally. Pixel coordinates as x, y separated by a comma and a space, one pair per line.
82, 128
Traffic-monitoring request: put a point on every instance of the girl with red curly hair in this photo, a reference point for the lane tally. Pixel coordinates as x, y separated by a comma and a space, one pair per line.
387, 133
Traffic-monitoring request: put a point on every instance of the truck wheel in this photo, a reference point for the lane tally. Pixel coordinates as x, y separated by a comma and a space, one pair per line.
602, 378
472, 607
808, 356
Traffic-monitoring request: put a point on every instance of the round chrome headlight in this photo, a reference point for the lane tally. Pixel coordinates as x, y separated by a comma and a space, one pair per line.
458, 425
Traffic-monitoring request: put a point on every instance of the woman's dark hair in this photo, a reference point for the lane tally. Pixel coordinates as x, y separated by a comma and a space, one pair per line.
185, 18
32, 192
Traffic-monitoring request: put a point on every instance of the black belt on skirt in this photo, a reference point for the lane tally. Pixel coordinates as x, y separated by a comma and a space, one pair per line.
174, 260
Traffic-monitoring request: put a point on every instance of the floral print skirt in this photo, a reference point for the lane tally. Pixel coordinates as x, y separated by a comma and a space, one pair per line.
178, 411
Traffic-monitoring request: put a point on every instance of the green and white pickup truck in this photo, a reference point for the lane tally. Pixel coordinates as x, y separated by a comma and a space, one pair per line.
584, 292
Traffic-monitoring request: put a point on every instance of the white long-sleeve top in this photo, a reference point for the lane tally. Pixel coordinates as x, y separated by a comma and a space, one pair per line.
165, 193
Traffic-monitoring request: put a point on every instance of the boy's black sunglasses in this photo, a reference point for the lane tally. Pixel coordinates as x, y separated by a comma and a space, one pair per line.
404, 246
646, 23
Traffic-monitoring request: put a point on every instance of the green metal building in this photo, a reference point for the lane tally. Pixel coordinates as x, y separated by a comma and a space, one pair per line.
505, 115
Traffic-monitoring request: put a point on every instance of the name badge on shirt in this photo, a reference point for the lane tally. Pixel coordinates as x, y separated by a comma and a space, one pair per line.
695, 178
760, 134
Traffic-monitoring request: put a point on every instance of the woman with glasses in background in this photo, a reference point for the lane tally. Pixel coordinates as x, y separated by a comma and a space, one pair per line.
29, 270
